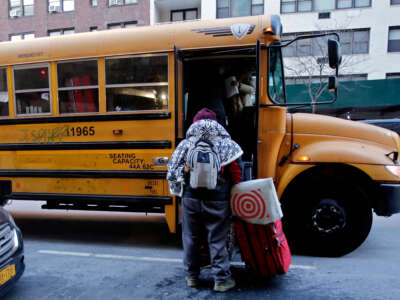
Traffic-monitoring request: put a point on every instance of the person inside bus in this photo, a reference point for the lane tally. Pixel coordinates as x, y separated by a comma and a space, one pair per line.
240, 92
239, 87
203, 208
247, 88
234, 102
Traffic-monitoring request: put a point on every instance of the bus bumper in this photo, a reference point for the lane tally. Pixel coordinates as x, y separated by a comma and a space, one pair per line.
389, 202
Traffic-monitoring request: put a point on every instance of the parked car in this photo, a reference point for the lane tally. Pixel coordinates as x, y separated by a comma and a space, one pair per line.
11, 252
392, 124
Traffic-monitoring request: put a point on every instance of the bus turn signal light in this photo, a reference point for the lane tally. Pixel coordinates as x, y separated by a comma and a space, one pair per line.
303, 158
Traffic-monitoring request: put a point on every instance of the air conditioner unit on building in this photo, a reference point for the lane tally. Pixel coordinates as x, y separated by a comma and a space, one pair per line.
116, 2
54, 8
15, 13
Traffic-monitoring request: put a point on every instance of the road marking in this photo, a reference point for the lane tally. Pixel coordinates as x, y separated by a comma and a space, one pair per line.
65, 253
303, 267
112, 256
146, 258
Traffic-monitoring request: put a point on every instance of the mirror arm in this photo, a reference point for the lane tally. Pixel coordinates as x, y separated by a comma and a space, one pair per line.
303, 37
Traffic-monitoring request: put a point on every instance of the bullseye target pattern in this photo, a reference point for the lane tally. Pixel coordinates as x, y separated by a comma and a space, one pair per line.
249, 205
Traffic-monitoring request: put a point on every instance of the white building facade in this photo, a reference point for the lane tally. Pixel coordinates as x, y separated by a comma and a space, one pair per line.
370, 29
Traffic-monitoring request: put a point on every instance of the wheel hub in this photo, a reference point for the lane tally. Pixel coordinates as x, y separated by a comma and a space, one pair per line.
328, 217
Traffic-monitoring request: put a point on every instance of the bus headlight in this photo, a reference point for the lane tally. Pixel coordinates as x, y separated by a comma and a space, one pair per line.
395, 170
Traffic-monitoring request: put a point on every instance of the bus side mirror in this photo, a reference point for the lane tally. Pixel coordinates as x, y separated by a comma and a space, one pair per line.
332, 83
334, 54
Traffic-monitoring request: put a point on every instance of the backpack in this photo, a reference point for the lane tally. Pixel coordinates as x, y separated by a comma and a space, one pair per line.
204, 165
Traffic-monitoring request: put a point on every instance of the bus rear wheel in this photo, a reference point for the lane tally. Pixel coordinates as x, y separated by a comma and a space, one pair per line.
326, 218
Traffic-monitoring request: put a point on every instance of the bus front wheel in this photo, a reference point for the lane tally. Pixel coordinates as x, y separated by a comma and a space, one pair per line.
326, 218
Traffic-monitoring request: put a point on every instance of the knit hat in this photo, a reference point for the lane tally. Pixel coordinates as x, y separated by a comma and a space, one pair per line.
205, 113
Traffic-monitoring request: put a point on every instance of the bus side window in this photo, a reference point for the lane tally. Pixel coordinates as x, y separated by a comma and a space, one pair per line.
78, 90
137, 83
32, 92
3, 93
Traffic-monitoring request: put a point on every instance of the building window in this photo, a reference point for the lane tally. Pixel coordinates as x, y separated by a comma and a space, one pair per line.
19, 8
362, 3
344, 3
392, 75
321, 5
78, 90
184, 14
63, 31
288, 6
394, 39
3, 93
304, 5
354, 41
121, 2
32, 93
351, 42
94, 2
137, 83
61, 6
291, 6
93, 28
237, 8
122, 25
353, 3
392, 2
22, 36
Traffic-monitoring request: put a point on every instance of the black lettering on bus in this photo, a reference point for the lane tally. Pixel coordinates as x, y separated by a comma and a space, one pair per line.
82, 131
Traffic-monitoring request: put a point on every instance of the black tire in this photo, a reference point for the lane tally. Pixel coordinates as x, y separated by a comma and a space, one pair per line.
326, 217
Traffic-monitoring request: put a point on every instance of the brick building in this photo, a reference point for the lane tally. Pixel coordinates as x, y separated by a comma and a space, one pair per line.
23, 19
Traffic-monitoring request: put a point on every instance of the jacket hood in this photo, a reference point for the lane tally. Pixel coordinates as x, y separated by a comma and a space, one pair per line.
206, 129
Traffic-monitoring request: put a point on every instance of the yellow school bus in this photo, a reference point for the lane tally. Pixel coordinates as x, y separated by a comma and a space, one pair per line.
88, 122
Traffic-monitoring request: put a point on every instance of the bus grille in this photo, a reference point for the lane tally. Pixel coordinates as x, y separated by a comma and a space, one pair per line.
7, 247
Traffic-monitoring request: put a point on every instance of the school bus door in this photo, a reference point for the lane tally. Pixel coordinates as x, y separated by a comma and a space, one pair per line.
172, 212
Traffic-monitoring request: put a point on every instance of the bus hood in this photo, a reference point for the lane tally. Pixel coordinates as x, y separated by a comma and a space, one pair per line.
312, 124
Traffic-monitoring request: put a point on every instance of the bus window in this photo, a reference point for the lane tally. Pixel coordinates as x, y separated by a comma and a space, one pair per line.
137, 83
78, 86
32, 94
3, 93
275, 81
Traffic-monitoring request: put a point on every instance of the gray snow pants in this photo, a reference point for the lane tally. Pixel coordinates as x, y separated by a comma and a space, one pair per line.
214, 217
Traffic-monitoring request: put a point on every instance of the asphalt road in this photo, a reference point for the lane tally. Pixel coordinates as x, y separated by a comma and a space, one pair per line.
92, 255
